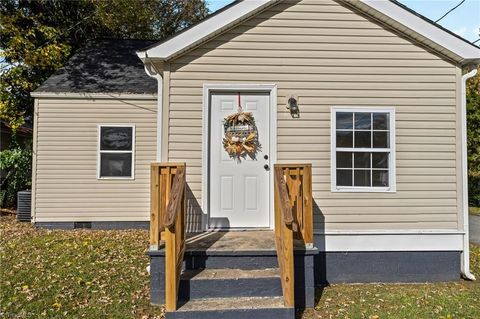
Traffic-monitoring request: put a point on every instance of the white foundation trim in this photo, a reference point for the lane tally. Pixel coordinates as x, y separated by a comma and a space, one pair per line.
390, 242
223, 87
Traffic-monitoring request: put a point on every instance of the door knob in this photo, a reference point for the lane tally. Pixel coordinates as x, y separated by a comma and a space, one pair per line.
266, 167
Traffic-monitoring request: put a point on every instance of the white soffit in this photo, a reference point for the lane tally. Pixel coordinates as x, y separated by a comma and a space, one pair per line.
383, 10
205, 29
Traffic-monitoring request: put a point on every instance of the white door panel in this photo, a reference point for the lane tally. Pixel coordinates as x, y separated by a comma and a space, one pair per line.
239, 190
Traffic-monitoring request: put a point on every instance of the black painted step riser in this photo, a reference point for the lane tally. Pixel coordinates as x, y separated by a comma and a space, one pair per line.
251, 287
229, 262
276, 313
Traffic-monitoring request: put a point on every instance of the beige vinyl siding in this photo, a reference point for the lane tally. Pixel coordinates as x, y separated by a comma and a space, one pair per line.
66, 185
330, 56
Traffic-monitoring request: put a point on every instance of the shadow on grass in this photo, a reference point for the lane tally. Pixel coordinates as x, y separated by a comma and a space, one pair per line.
319, 291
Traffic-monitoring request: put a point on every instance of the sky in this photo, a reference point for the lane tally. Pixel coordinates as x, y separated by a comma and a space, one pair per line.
464, 21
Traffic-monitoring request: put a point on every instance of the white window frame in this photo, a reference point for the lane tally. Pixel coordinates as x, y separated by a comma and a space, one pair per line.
99, 152
391, 150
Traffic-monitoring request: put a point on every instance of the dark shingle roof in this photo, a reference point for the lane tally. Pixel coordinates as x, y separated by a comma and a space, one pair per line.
103, 66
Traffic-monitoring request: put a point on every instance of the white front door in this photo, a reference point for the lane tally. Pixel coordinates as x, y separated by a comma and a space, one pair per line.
239, 189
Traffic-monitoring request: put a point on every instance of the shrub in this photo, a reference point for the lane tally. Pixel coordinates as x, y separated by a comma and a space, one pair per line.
16, 162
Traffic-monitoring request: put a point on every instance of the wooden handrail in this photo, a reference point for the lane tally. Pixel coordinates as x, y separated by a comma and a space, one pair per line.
178, 187
293, 218
284, 238
167, 222
281, 188
298, 178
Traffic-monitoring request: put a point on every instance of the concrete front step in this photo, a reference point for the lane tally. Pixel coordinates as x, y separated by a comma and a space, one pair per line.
245, 260
233, 308
211, 283
237, 259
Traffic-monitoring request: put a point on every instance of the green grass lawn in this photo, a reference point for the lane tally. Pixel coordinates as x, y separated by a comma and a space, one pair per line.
101, 274
474, 211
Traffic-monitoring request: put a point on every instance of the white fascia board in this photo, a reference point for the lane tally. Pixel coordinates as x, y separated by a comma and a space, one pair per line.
447, 241
205, 29
467, 51
73, 95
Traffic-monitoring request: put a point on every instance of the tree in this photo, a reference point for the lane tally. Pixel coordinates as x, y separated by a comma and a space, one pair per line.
473, 138
38, 36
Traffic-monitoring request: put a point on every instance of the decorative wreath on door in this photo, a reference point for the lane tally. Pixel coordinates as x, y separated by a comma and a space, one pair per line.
241, 135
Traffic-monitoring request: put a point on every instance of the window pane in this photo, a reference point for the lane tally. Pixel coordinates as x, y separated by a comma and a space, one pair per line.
362, 160
380, 178
363, 139
344, 121
344, 139
115, 164
380, 160
381, 121
363, 121
344, 160
362, 178
344, 177
380, 140
116, 138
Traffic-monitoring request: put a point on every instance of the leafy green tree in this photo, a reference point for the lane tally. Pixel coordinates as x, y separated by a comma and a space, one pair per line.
17, 164
473, 139
38, 36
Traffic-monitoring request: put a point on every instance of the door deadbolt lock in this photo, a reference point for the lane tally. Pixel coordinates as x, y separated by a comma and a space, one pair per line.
266, 167
265, 157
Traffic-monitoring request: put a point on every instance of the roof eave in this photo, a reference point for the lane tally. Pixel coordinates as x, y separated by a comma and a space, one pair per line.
418, 28
470, 61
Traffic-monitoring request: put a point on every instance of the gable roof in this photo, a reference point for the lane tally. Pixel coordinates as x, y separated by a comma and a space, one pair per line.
392, 13
103, 66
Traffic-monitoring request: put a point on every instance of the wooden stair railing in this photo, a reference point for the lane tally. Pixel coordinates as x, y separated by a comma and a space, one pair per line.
293, 219
167, 222
284, 237
298, 178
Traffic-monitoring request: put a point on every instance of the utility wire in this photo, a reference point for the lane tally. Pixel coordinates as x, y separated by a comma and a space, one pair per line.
448, 12
476, 41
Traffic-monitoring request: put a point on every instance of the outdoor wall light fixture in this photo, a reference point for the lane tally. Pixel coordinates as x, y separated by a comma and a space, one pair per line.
292, 105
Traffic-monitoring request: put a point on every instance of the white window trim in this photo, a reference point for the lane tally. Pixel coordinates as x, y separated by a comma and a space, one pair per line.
132, 177
392, 150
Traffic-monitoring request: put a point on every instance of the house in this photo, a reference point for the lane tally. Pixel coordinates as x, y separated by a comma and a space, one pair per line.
359, 104
76, 181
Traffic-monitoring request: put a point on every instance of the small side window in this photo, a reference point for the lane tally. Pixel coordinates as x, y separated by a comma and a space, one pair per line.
116, 151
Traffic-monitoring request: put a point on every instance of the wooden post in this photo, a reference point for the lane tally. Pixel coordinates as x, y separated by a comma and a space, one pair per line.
289, 282
154, 208
308, 205
284, 234
171, 288
172, 209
